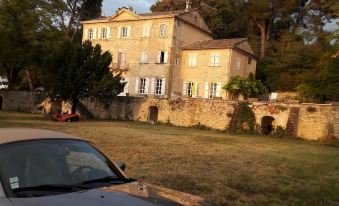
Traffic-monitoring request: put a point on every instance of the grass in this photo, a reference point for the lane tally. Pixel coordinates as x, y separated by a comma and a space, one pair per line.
225, 169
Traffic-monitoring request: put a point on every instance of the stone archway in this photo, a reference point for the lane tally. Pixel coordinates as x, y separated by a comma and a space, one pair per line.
1, 102
267, 125
153, 112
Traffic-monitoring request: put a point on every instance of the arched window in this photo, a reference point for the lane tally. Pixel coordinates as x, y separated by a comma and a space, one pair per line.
91, 34
124, 32
163, 30
104, 33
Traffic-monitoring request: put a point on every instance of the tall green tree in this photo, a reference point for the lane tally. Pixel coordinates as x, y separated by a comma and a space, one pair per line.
75, 71
26, 27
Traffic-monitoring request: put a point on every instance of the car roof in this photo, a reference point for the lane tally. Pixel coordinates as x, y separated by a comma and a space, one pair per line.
10, 135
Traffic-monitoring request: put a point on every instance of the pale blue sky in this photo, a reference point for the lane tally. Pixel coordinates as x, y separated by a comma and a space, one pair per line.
140, 6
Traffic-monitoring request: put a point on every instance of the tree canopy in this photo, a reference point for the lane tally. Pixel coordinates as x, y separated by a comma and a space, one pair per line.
75, 71
248, 87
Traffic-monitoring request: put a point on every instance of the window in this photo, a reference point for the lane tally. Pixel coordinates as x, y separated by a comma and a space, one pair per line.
192, 60
215, 60
122, 60
104, 33
163, 30
144, 57
158, 87
238, 64
142, 86
42, 164
91, 34
146, 30
212, 90
124, 32
162, 57
249, 60
190, 89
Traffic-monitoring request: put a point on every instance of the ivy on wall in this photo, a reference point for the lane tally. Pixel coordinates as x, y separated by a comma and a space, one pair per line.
243, 120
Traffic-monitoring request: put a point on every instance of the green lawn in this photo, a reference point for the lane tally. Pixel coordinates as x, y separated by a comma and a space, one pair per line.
228, 170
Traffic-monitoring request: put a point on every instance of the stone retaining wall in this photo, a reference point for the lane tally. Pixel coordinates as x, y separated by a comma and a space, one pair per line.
314, 121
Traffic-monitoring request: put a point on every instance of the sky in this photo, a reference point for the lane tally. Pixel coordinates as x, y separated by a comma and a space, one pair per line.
140, 6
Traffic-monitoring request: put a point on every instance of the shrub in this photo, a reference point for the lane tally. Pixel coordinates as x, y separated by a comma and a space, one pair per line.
280, 132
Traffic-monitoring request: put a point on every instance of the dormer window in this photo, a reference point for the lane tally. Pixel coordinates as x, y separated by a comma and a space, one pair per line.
163, 30
91, 34
124, 32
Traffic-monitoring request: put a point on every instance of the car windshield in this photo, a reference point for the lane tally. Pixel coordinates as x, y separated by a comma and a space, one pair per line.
41, 163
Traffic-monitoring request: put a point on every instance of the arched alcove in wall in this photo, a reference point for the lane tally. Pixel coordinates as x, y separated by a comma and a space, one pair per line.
267, 125
153, 113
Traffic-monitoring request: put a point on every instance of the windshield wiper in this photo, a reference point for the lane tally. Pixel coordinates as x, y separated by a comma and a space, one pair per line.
107, 179
51, 187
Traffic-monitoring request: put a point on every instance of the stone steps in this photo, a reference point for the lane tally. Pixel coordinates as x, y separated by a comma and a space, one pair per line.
292, 122
83, 111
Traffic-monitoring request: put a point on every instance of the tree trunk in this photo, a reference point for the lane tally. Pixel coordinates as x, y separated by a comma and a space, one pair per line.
29, 79
262, 28
74, 105
10, 79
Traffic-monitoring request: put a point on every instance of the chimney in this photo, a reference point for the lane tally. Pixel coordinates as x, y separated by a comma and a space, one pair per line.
188, 5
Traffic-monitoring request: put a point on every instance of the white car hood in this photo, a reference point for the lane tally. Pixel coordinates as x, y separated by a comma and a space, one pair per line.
131, 194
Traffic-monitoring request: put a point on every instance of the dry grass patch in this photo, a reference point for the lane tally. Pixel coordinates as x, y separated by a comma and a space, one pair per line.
228, 170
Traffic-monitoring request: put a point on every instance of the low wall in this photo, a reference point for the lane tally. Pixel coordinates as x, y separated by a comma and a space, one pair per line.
313, 123
18, 101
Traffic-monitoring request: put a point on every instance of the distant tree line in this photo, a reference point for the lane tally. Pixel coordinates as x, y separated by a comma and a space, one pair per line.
296, 52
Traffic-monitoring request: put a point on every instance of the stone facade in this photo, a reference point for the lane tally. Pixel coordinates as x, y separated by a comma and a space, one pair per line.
149, 50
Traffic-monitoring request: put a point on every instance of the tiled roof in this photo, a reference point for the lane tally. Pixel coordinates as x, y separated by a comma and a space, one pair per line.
163, 13
215, 44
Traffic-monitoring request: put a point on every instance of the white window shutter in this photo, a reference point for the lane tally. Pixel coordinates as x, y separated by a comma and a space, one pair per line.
166, 57
129, 31
158, 57
152, 85
184, 89
137, 85
108, 32
207, 88
119, 32
94, 33
163, 86
217, 60
195, 60
148, 30
100, 31
212, 60
147, 86
196, 86
145, 32
218, 90
126, 85
86, 34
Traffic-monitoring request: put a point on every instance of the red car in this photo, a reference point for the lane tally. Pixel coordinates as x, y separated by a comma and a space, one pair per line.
66, 117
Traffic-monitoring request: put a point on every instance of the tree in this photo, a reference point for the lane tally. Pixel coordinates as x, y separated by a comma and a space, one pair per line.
77, 71
323, 86
26, 27
249, 87
80, 10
